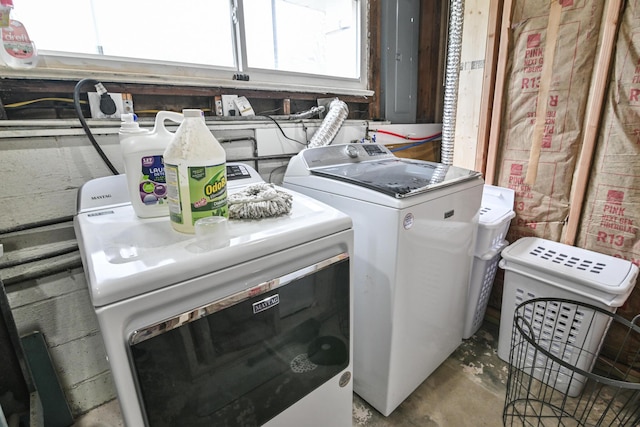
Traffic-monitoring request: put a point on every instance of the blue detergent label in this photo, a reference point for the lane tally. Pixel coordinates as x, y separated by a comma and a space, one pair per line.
153, 184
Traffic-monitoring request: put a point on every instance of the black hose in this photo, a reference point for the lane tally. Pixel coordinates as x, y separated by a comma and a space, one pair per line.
83, 122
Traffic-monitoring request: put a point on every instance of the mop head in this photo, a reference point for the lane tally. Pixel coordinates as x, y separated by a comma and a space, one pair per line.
257, 201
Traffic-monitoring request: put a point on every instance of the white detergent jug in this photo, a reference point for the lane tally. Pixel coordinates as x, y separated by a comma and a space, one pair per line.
142, 151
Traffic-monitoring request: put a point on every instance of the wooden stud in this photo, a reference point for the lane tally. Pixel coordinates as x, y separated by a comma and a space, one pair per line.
496, 113
375, 43
488, 84
431, 56
3, 112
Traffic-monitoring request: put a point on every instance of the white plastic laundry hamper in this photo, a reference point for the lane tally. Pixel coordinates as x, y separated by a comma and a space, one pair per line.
539, 268
483, 273
496, 213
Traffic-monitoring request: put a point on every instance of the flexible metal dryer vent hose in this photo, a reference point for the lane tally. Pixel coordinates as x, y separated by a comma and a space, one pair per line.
451, 81
306, 114
338, 112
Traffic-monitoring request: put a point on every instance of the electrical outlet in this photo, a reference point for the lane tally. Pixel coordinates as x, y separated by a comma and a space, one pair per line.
228, 105
94, 105
218, 104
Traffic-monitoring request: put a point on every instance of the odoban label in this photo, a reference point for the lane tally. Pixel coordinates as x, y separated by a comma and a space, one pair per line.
208, 191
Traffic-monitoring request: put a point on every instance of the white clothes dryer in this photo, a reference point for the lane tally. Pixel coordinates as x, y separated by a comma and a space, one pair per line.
415, 225
257, 332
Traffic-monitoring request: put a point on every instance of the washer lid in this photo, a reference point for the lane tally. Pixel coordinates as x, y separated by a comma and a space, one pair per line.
397, 177
125, 256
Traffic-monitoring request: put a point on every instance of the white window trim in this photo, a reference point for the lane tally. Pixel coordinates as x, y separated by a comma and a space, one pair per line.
62, 66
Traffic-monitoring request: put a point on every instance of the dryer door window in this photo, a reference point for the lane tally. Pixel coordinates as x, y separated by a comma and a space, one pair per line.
243, 360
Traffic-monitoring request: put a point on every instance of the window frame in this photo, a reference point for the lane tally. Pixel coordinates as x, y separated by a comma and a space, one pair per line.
66, 66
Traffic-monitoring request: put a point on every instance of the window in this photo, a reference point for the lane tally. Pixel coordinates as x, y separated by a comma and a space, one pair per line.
146, 29
303, 36
290, 42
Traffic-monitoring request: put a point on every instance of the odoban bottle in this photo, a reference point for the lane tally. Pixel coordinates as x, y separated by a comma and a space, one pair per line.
142, 151
196, 172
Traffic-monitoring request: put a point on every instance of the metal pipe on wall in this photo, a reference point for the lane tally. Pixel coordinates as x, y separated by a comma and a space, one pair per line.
452, 73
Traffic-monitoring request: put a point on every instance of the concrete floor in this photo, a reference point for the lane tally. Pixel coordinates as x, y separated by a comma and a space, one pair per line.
468, 389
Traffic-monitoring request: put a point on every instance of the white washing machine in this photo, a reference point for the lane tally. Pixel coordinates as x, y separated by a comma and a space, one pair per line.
257, 332
415, 225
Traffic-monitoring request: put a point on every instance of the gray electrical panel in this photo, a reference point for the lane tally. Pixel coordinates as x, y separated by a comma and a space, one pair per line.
399, 75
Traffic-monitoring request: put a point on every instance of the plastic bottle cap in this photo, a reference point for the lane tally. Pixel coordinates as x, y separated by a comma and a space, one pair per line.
211, 232
192, 112
128, 122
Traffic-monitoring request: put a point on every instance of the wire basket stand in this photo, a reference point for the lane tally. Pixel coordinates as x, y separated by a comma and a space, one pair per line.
558, 375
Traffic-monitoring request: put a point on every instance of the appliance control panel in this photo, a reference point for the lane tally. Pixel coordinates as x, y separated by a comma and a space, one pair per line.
241, 174
344, 153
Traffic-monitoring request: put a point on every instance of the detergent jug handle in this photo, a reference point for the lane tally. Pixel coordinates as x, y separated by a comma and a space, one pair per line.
166, 115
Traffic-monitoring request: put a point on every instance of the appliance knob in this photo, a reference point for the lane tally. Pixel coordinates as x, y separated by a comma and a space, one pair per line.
351, 151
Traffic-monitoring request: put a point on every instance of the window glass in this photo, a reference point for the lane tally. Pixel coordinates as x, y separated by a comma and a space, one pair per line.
191, 31
303, 36
49, 27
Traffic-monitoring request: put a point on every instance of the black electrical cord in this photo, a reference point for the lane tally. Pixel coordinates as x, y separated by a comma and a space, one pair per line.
83, 122
284, 134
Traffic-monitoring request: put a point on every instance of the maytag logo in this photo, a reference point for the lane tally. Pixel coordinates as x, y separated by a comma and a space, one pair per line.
100, 197
266, 303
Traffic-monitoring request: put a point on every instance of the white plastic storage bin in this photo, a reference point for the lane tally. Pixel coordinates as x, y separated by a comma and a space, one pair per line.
496, 213
483, 273
537, 268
